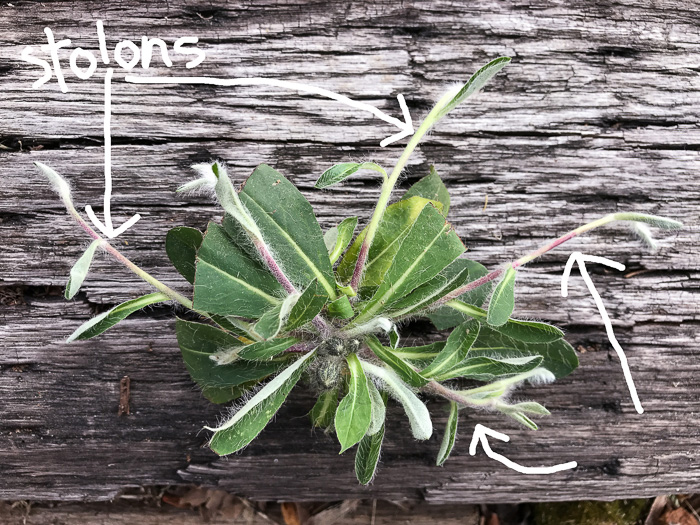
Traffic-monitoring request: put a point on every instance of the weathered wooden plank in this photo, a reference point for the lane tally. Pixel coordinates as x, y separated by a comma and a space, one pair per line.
597, 113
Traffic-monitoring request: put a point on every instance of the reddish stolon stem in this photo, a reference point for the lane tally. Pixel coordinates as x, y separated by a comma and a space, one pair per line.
274, 267
359, 266
522, 261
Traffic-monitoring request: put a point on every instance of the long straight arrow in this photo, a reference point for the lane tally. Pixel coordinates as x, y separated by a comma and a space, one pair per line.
108, 228
480, 435
406, 126
582, 259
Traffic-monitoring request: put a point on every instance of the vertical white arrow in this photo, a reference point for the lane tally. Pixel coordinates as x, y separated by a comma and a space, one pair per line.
107, 228
582, 259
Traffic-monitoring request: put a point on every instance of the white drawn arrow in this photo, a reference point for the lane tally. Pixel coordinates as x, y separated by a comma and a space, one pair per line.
480, 433
406, 126
107, 228
582, 260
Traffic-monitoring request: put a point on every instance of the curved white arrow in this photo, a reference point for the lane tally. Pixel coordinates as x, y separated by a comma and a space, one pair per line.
480, 433
582, 259
108, 228
406, 126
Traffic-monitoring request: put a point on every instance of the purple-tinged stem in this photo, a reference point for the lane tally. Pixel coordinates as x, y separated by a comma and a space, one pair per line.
526, 259
300, 348
158, 285
279, 274
359, 266
273, 266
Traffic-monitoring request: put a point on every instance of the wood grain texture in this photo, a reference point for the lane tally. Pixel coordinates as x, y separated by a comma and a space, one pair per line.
597, 113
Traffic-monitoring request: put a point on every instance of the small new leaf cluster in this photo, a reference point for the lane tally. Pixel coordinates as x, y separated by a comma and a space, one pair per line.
280, 302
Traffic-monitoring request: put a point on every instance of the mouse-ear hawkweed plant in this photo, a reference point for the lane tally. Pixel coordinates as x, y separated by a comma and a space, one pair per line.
278, 302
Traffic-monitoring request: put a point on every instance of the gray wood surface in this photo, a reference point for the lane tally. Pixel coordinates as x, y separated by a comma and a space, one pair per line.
597, 113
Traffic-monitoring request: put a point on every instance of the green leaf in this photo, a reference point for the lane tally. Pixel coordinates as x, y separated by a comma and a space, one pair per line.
80, 270
378, 409
181, 245
354, 414
342, 171
456, 349
107, 320
249, 421
309, 305
523, 420
445, 317
431, 187
260, 351
420, 353
323, 412
341, 308
474, 84
484, 368
338, 238
418, 415
448, 440
289, 226
230, 282
367, 456
502, 300
428, 248
526, 331
397, 221
272, 321
457, 274
559, 356
198, 342
404, 370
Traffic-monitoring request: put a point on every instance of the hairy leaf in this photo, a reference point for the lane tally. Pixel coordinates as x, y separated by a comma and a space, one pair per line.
219, 383
397, 221
341, 308
428, 248
288, 224
403, 369
367, 456
249, 421
445, 317
474, 84
354, 414
105, 321
502, 300
80, 270
448, 440
457, 274
559, 356
309, 305
229, 282
338, 238
418, 415
272, 321
431, 187
323, 412
342, 171
484, 368
181, 245
456, 349
378, 409
260, 351
526, 331
420, 353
